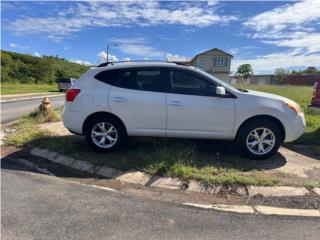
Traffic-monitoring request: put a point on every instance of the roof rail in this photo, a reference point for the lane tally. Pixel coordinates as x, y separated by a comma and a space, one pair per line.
105, 64
180, 63
111, 63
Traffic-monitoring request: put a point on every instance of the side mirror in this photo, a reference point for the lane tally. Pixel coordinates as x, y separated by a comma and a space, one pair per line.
220, 91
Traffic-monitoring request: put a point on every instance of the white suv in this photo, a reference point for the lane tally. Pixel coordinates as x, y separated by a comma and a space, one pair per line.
163, 99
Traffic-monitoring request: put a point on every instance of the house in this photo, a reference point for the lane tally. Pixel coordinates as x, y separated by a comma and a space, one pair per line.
213, 61
255, 79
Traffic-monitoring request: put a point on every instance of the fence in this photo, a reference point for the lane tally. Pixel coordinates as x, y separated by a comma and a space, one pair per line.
307, 80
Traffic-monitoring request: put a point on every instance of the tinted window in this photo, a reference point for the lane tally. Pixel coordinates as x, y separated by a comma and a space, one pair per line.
65, 80
109, 76
140, 79
187, 83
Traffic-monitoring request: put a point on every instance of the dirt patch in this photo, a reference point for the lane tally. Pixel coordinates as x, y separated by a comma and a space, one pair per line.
56, 128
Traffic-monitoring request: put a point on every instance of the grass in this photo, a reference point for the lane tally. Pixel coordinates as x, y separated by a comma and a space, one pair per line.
18, 88
27, 130
183, 158
211, 162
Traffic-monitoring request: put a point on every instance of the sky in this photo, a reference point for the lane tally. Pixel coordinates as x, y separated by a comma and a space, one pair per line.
266, 34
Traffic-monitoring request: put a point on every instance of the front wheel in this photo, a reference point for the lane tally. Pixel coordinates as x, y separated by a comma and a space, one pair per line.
105, 134
259, 139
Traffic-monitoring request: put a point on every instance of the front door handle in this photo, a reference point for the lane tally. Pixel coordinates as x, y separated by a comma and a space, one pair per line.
119, 99
176, 103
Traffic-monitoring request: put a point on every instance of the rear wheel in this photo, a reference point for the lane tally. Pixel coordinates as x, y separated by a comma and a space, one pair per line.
105, 134
259, 139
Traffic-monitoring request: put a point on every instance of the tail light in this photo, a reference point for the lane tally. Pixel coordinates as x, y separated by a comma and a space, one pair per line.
315, 86
316, 95
71, 94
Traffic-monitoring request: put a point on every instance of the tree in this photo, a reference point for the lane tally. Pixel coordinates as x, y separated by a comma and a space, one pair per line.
311, 70
281, 75
244, 71
23, 68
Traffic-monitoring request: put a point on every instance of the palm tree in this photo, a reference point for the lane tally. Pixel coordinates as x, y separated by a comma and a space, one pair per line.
244, 72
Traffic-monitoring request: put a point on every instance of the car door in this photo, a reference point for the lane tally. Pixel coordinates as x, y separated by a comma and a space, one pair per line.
138, 100
194, 110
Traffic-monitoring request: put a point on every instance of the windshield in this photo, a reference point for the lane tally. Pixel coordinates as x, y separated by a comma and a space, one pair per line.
222, 83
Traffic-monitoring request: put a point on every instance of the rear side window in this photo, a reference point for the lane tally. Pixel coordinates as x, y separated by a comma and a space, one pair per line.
183, 82
140, 79
108, 76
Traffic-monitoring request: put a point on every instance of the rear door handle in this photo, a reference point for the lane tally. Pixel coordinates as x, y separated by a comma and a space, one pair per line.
176, 103
119, 99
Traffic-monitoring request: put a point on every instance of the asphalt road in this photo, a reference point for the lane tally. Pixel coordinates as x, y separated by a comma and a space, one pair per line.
11, 111
36, 206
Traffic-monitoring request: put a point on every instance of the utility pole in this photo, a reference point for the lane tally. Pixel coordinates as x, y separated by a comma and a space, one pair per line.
107, 53
108, 47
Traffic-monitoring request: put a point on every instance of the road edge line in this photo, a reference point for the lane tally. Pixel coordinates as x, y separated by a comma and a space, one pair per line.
29, 98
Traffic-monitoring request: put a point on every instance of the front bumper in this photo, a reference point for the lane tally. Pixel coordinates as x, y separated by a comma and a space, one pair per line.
295, 128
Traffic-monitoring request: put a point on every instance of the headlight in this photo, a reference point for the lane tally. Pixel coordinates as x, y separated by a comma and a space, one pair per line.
293, 106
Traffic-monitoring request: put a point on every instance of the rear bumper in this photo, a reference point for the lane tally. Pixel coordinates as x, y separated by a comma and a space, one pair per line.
73, 121
295, 128
314, 109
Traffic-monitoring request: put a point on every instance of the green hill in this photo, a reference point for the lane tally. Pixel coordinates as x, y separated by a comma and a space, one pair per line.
22, 68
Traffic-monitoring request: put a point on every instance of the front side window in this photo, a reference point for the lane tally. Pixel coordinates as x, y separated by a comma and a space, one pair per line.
220, 62
201, 63
183, 82
144, 79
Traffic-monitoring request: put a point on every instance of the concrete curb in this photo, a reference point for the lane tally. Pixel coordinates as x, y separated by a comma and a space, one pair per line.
29, 98
144, 179
259, 210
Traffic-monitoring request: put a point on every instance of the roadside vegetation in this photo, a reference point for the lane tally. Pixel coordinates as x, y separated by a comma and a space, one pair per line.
211, 162
206, 161
22, 73
27, 129
18, 88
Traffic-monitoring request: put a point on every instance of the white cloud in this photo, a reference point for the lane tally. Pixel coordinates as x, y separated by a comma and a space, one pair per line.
14, 45
175, 57
309, 41
137, 47
37, 54
126, 59
103, 57
82, 62
290, 26
82, 15
287, 59
281, 17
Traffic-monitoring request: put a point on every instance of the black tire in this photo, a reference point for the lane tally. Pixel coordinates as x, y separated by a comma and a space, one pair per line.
258, 124
120, 130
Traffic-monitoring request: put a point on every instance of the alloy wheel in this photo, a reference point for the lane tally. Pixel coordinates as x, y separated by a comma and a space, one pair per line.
104, 135
260, 141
